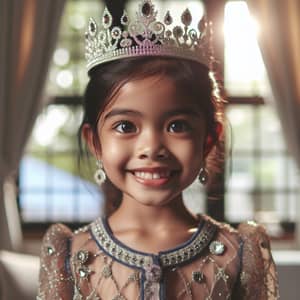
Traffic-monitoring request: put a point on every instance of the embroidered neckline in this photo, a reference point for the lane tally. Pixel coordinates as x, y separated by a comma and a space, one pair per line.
185, 252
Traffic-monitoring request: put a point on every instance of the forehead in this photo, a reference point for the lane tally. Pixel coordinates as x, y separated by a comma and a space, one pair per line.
155, 93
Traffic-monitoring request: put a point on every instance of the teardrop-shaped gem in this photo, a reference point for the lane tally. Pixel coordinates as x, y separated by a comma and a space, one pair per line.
92, 27
186, 17
168, 18
203, 176
124, 18
106, 18
146, 9
202, 24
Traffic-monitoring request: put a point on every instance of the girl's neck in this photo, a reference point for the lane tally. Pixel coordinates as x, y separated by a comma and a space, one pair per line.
132, 214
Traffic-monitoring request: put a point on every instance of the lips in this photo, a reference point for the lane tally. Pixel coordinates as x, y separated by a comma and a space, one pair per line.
152, 177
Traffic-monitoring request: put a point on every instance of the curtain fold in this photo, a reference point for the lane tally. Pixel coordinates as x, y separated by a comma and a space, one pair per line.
280, 46
28, 31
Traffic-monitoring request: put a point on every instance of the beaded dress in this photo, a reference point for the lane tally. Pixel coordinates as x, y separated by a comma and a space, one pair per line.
217, 262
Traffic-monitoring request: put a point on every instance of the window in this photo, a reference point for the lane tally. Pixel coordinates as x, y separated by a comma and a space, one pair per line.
261, 179
262, 182
51, 186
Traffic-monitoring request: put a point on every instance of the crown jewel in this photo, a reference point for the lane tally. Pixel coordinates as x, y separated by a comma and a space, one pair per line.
146, 36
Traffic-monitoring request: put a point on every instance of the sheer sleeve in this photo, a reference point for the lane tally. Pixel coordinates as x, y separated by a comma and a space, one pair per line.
55, 279
258, 276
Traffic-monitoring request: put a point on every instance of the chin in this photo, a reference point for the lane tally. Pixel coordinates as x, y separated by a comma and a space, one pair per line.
155, 200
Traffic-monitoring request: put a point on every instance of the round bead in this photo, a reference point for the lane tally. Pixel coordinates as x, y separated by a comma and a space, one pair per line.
82, 256
216, 248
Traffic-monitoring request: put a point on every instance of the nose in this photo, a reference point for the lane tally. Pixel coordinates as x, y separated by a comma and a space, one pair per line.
151, 146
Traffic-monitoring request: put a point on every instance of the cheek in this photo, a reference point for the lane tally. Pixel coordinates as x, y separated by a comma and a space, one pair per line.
190, 154
114, 155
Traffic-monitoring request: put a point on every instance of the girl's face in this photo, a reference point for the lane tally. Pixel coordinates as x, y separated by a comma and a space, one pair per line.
152, 140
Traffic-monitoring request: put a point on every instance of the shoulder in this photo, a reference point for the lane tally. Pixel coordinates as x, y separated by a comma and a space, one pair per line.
56, 239
256, 246
250, 246
55, 279
258, 276
225, 233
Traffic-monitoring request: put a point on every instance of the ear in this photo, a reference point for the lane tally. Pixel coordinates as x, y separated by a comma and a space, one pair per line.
89, 137
210, 142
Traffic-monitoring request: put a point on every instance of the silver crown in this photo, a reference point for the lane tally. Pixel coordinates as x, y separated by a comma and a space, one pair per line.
146, 36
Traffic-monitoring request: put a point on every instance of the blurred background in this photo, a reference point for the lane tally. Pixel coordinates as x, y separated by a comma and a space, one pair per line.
43, 69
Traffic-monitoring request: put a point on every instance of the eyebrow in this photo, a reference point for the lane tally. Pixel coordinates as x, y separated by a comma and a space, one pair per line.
182, 111
116, 112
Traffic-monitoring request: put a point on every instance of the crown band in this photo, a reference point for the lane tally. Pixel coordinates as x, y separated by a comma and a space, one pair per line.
146, 36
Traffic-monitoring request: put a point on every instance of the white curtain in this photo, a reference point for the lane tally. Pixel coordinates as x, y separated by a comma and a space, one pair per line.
28, 31
280, 46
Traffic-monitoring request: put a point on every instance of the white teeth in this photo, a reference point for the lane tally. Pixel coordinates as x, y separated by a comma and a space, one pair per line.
155, 176
149, 175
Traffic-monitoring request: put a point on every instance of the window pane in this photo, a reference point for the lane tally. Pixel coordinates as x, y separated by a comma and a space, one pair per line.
262, 179
242, 174
239, 206
51, 186
272, 172
241, 123
271, 136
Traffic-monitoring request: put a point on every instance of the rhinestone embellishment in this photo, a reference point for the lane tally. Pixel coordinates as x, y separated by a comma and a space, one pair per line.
172, 258
168, 18
106, 272
198, 276
144, 34
146, 9
84, 272
82, 256
50, 250
216, 248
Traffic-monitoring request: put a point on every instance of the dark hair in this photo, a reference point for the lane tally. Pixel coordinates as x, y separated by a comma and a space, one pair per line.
105, 81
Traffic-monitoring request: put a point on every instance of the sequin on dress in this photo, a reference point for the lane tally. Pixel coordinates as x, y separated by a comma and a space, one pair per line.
216, 263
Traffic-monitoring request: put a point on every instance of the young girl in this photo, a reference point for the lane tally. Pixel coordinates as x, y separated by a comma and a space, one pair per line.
150, 121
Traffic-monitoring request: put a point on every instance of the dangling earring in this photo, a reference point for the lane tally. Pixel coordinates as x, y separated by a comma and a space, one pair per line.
100, 175
203, 175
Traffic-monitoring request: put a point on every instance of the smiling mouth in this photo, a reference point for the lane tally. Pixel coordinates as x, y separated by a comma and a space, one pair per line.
152, 178
152, 175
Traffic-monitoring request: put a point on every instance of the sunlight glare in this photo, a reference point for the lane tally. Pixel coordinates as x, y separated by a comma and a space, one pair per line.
48, 125
244, 68
61, 56
64, 79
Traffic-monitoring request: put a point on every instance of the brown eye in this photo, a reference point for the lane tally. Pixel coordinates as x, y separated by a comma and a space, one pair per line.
125, 127
179, 126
